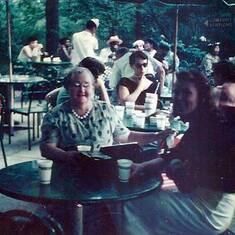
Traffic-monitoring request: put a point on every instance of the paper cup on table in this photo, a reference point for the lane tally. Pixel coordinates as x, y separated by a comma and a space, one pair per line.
120, 111
124, 169
47, 59
152, 96
149, 108
153, 120
161, 122
140, 119
45, 167
130, 107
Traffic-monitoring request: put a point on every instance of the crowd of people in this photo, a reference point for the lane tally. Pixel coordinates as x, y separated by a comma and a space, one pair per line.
202, 165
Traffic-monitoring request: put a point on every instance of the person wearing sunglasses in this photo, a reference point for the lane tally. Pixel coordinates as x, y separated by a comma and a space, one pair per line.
134, 88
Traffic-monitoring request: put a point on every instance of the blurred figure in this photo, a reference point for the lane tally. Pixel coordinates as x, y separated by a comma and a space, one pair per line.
150, 46
31, 51
109, 54
138, 45
223, 72
85, 43
210, 58
64, 49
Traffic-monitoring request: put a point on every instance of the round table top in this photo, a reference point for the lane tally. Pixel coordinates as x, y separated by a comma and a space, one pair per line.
70, 184
21, 79
51, 63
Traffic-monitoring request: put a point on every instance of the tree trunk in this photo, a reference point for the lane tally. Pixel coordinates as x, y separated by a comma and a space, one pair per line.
138, 22
52, 25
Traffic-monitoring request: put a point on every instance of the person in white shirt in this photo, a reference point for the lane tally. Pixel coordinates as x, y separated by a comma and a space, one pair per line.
108, 54
85, 42
31, 51
149, 46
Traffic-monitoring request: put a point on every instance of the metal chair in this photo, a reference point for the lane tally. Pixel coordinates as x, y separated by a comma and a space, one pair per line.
2, 110
36, 96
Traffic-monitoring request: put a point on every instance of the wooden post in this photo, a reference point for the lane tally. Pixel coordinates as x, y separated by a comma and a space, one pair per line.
175, 45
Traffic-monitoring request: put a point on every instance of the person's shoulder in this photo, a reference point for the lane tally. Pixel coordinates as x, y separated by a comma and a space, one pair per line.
60, 108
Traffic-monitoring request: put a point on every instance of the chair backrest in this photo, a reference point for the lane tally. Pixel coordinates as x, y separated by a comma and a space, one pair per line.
51, 97
37, 92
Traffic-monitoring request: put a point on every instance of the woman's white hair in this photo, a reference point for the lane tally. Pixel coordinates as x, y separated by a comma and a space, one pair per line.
76, 71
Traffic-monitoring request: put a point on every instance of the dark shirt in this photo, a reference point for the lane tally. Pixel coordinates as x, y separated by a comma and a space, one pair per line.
206, 151
131, 86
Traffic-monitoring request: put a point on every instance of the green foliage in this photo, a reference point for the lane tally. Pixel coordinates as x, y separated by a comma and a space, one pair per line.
129, 21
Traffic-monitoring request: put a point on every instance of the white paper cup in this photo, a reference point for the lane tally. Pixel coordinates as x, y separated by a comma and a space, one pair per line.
130, 106
153, 120
149, 108
124, 169
161, 122
151, 95
45, 171
120, 111
47, 59
140, 119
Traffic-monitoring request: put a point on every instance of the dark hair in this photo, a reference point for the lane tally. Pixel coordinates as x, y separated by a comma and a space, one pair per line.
226, 70
31, 39
151, 41
62, 41
75, 71
205, 103
90, 25
137, 55
94, 65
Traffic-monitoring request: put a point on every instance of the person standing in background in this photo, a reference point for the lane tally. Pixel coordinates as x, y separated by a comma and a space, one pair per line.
85, 42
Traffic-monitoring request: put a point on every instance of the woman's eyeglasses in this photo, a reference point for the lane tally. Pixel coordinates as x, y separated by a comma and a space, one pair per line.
78, 84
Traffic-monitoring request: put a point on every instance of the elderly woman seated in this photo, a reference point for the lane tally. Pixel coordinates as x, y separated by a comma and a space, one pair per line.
82, 120
134, 88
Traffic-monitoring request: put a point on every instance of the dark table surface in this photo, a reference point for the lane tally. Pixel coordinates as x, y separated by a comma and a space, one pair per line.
70, 184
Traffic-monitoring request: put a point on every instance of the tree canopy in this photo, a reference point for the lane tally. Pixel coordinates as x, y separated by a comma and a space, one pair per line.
130, 21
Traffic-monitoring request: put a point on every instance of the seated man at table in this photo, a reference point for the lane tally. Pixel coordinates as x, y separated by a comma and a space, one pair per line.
31, 51
134, 88
122, 68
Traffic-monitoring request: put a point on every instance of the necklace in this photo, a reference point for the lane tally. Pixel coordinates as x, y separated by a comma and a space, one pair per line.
82, 116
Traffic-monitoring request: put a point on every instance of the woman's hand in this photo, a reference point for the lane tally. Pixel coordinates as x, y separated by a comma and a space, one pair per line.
144, 83
137, 169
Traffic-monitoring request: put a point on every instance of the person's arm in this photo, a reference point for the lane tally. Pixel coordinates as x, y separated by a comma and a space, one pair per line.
104, 94
143, 137
125, 95
152, 167
52, 152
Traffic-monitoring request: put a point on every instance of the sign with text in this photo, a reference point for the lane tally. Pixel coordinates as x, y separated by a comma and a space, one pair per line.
219, 22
